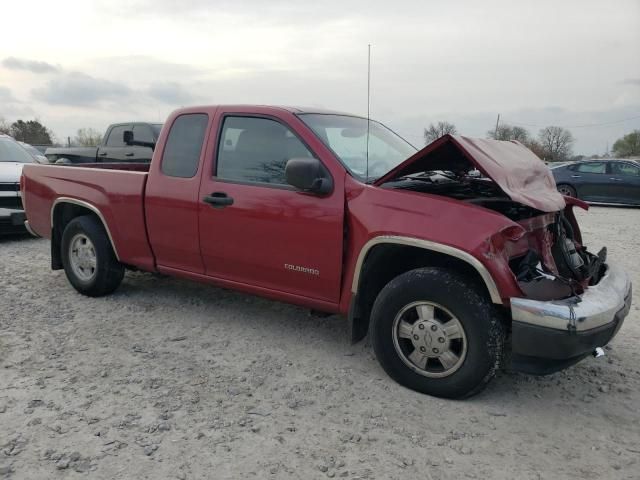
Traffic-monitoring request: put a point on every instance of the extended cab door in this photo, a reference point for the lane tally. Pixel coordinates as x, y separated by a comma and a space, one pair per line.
261, 231
113, 148
171, 197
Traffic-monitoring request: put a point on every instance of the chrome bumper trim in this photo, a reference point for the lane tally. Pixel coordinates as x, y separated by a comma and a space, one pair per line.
596, 307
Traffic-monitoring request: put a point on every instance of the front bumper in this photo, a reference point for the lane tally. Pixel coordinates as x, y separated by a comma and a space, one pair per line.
549, 336
11, 221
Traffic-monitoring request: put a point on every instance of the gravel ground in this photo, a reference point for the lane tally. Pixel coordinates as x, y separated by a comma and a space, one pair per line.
170, 379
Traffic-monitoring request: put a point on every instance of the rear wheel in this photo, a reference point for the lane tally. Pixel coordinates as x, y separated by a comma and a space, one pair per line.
567, 190
88, 258
433, 332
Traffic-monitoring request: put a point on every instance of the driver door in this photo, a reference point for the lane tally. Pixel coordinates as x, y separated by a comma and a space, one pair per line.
259, 230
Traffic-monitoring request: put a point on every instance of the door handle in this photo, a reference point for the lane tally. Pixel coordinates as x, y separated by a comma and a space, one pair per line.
218, 200
576, 176
130, 154
103, 154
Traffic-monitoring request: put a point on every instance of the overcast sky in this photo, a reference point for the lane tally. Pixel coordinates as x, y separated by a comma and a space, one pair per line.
80, 63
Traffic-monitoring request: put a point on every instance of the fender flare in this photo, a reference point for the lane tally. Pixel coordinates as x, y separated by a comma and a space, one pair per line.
88, 206
427, 245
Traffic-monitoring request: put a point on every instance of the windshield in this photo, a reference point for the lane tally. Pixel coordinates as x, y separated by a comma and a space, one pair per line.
346, 136
10, 151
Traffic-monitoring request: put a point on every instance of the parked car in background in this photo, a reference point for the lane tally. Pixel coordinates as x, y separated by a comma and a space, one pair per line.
600, 181
444, 269
35, 153
12, 158
114, 148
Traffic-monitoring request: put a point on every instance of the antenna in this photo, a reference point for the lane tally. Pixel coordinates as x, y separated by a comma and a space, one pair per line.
368, 105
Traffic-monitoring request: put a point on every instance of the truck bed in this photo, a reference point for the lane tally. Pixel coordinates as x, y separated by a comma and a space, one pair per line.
114, 192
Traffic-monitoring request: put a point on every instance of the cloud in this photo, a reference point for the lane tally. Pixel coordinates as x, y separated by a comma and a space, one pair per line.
6, 95
632, 81
10, 105
171, 93
80, 89
34, 66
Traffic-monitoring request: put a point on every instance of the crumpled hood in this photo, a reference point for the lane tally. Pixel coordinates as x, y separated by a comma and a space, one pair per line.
520, 174
10, 172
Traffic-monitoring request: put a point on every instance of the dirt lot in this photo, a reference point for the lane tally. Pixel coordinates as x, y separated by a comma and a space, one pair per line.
169, 379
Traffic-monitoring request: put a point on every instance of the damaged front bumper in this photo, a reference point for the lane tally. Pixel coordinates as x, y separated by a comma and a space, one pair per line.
548, 336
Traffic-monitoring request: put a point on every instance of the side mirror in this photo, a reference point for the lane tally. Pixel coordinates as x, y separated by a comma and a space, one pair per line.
127, 137
308, 175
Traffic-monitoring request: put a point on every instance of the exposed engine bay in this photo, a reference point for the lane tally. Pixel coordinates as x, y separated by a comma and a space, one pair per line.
548, 259
468, 188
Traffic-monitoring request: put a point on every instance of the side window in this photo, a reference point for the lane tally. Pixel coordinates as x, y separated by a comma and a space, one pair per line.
255, 149
115, 136
593, 167
181, 154
621, 168
142, 133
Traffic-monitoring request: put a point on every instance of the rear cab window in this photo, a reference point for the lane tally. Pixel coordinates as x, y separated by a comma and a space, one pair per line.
181, 155
143, 133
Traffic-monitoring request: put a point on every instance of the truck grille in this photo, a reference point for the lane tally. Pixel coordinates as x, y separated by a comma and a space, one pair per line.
11, 202
9, 187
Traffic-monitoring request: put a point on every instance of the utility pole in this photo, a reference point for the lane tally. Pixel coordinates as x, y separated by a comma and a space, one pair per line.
497, 122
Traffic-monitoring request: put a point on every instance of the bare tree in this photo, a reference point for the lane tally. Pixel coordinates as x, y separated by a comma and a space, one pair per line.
438, 130
509, 132
88, 137
536, 147
556, 143
5, 127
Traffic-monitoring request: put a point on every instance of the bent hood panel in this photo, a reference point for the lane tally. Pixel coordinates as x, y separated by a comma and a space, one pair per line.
520, 174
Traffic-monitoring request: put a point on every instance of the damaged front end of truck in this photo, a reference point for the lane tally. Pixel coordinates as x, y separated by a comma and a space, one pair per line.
566, 301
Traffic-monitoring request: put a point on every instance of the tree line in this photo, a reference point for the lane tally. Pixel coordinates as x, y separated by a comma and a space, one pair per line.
553, 144
35, 133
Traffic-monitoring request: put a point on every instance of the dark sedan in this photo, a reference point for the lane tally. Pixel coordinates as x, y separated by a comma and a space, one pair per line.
600, 181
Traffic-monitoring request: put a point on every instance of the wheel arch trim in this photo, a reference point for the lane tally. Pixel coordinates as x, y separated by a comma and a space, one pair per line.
426, 245
88, 206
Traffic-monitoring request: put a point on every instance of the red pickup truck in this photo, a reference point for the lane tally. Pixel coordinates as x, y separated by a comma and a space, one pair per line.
449, 257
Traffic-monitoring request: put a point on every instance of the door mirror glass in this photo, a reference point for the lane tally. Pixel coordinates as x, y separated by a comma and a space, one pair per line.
308, 175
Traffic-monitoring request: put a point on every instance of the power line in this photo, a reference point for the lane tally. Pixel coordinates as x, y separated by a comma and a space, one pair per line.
586, 125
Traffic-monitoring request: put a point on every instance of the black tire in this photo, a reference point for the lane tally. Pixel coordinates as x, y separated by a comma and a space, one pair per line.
108, 272
567, 190
480, 320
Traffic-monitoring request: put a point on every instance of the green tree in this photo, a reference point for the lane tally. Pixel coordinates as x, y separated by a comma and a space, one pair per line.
628, 146
31, 131
88, 137
438, 130
556, 143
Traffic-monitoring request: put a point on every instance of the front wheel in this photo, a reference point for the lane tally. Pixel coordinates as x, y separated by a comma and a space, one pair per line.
88, 258
433, 332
